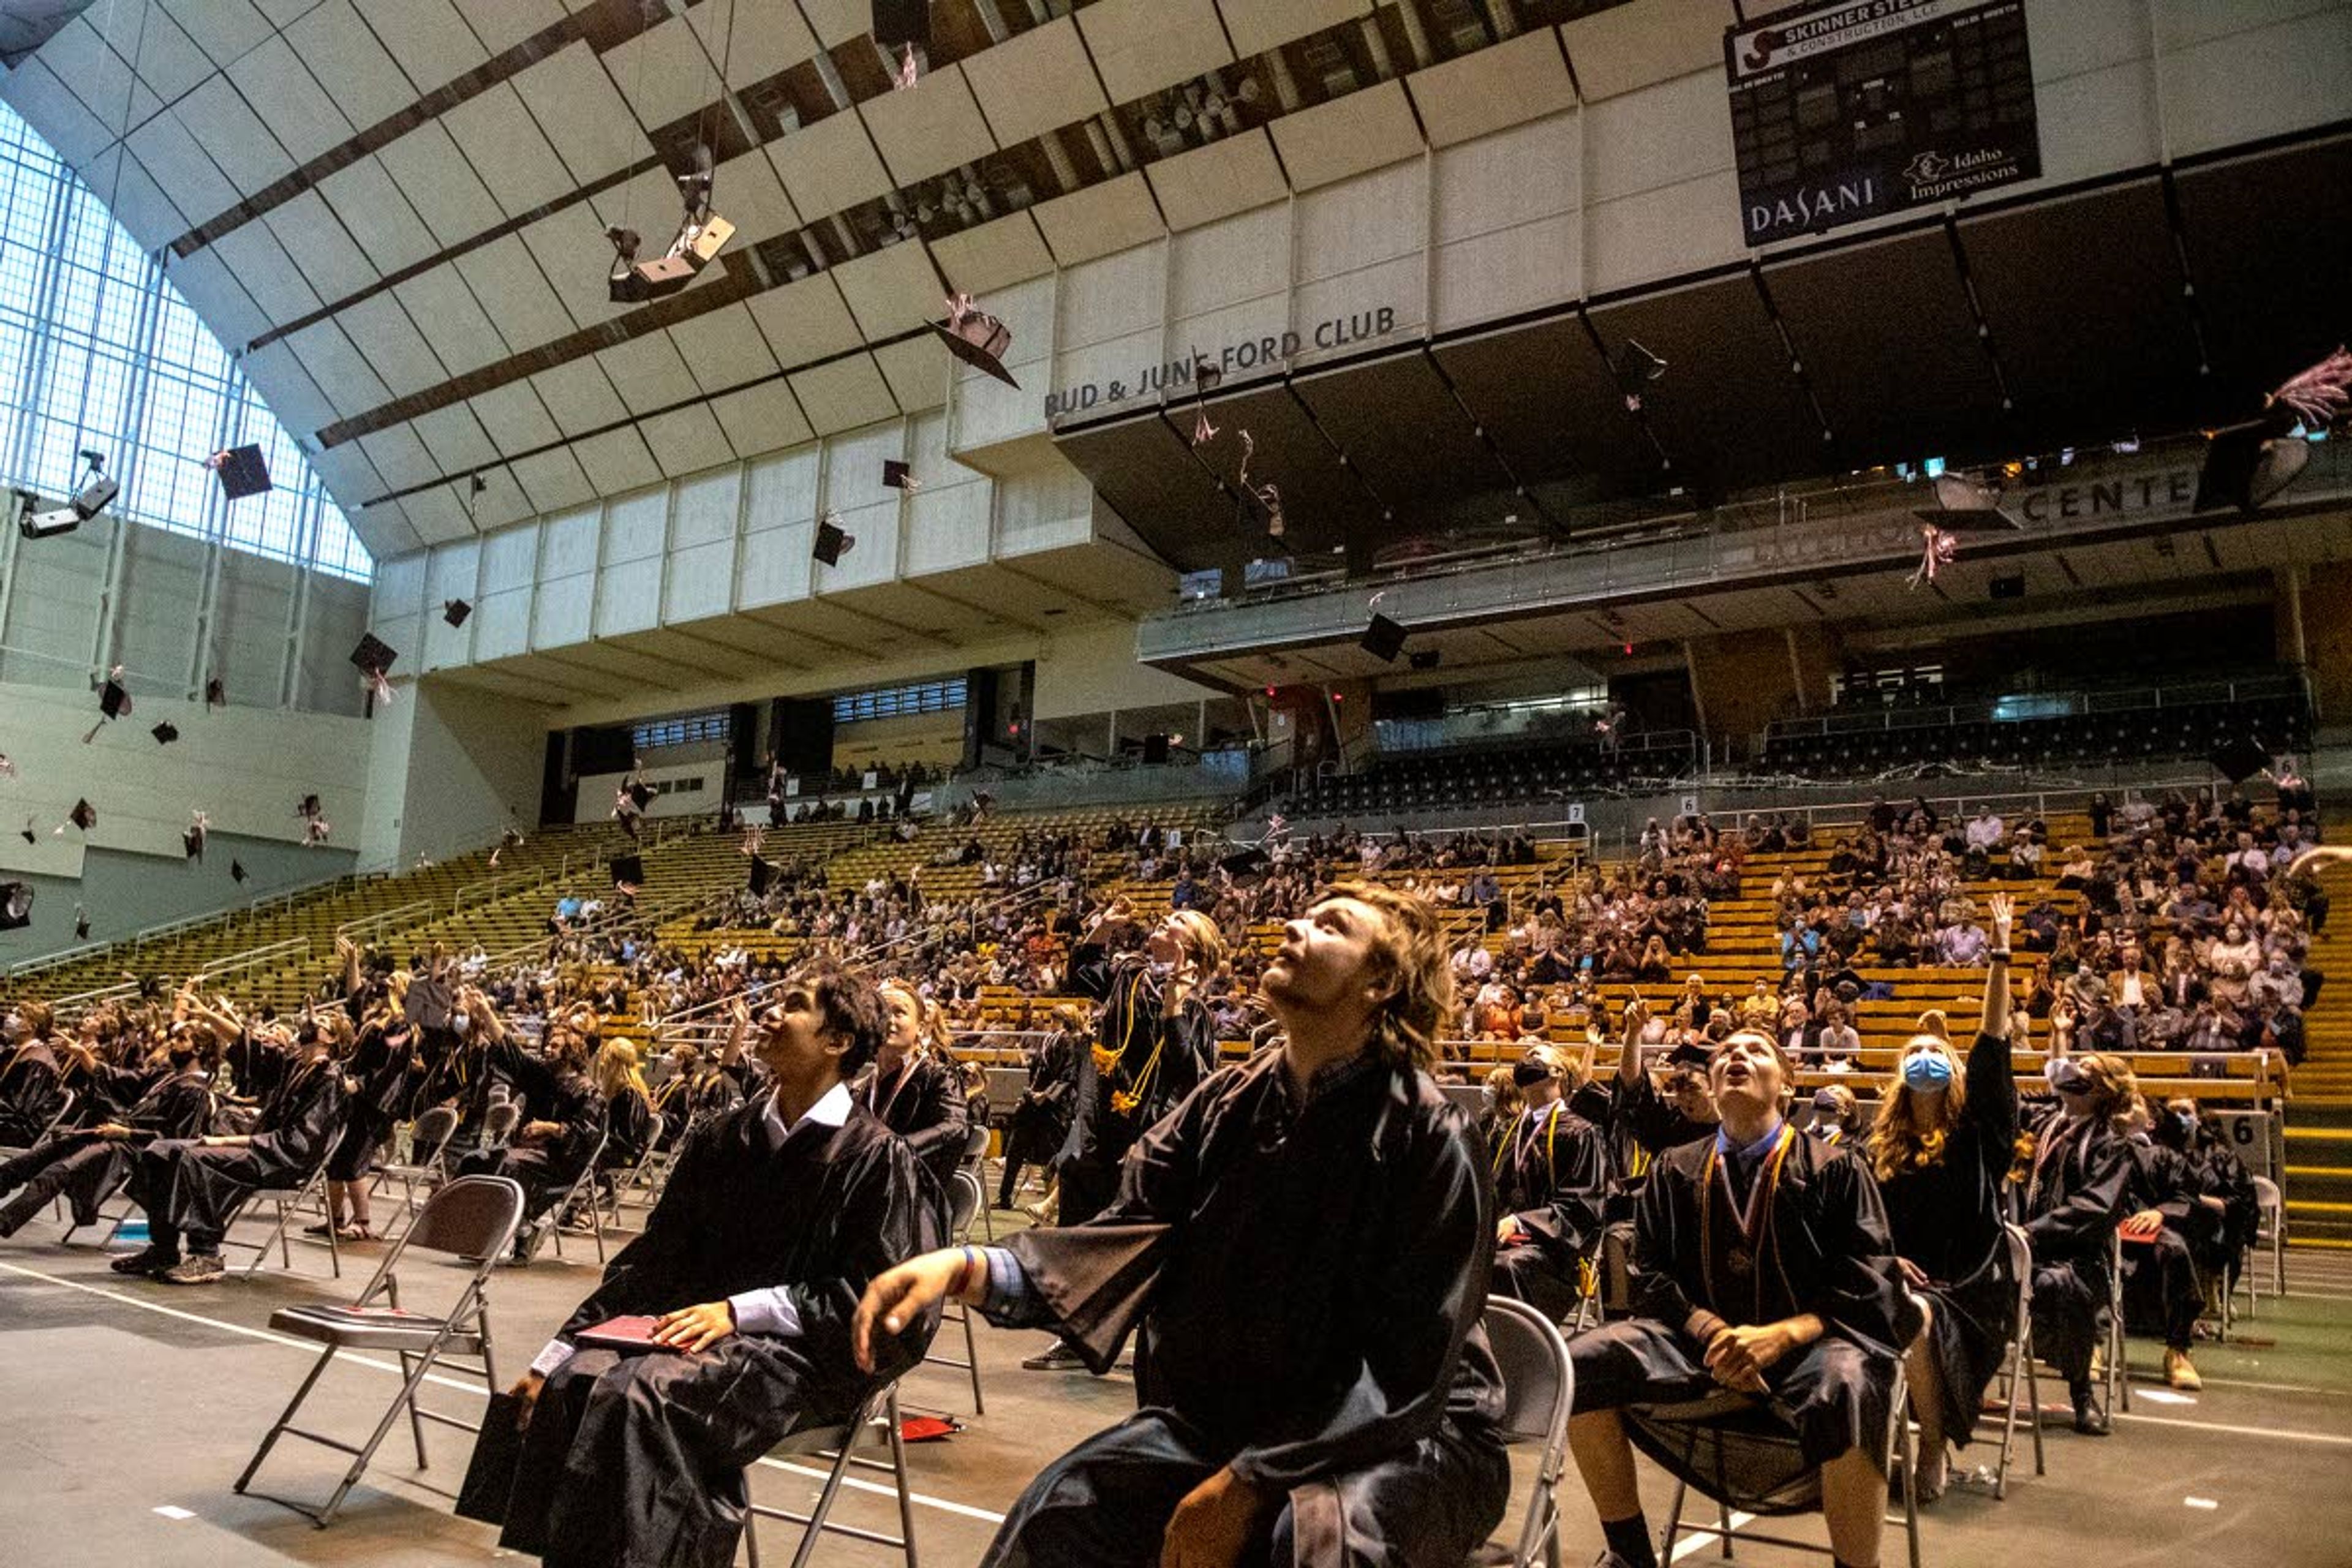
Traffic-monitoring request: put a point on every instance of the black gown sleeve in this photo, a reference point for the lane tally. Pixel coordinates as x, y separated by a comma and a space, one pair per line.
936, 1127
1568, 1215
1427, 1292
888, 1216
1992, 1109
636, 1280
2079, 1222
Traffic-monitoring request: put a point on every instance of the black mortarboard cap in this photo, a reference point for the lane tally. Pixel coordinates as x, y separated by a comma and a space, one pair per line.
761, 874
2240, 759
81, 924
896, 474
374, 654
1242, 862
216, 692
84, 815
1384, 638
236, 869
833, 543
113, 699
165, 734
241, 472
628, 868
2249, 466
16, 906
641, 793
979, 340
27, 833
1964, 505
455, 611
191, 842
310, 807
1636, 368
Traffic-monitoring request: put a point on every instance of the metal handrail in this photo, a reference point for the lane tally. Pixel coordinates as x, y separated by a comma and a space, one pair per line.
498, 887
373, 925
57, 960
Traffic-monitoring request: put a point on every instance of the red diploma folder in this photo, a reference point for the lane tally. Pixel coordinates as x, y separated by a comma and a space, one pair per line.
623, 1334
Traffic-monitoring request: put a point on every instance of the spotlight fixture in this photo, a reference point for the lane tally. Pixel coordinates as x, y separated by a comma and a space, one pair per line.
97, 488
622, 285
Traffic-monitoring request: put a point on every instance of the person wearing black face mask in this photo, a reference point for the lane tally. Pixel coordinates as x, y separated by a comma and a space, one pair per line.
2174, 1223
2221, 1175
2077, 1194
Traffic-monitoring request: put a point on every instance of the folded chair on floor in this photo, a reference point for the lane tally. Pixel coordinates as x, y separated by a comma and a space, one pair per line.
838, 1443
471, 1217
1539, 1389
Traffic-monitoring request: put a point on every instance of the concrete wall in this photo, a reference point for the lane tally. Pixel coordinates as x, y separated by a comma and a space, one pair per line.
452, 768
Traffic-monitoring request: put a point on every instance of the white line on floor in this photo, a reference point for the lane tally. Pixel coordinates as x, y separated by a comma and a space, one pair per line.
2327, 1438
2212, 1382
474, 1388
1697, 1543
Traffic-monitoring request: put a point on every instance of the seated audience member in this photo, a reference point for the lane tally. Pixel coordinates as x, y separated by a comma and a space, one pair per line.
1941, 1149
1305, 1241
563, 1116
1551, 1176
1760, 1263
913, 1088
2075, 1193
775, 1218
2174, 1220
194, 1188
87, 1165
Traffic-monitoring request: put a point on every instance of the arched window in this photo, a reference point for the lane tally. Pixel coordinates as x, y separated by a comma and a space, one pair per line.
98, 353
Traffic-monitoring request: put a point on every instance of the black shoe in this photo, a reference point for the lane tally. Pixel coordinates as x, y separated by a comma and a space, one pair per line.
1061, 1358
150, 1261
2090, 1418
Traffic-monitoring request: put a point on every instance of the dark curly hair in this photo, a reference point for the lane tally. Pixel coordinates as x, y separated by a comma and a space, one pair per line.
851, 1004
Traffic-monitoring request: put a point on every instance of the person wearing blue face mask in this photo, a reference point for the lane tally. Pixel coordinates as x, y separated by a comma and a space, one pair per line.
1941, 1149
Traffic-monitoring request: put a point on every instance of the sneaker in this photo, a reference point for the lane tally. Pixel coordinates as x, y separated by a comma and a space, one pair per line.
1061, 1358
2179, 1374
147, 1262
197, 1269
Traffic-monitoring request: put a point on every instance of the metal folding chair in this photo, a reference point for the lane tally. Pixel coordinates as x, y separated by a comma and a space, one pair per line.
289, 1202
2270, 1231
428, 1147
975, 1153
470, 1217
585, 1181
1538, 1391
637, 1175
2118, 1373
2019, 1366
880, 1409
965, 1200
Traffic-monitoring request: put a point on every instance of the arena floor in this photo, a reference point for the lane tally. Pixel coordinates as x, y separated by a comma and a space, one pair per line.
127, 1407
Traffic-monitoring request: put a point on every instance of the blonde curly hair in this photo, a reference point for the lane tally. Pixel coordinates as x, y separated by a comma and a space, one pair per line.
1408, 955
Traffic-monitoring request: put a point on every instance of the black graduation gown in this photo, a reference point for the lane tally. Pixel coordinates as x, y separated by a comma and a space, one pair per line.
2162, 1292
1160, 1058
32, 1092
1042, 1120
378, 1074
1308, 1278
1552, 1179
629, 1128
1823, 1249
547, 1168
1946, 1219
2073, 1201
184, 1188
86, 1168
638, 1459
922, 1102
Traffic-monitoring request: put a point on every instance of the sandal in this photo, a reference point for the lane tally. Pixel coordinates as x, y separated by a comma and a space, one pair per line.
353, 1232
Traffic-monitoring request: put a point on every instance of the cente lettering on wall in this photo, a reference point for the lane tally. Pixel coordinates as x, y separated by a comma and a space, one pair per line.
1241, 358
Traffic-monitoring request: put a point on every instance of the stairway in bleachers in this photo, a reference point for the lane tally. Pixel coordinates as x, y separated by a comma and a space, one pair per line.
2319, 1122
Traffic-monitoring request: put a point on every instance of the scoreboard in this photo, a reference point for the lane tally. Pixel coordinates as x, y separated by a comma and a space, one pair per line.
1852, 109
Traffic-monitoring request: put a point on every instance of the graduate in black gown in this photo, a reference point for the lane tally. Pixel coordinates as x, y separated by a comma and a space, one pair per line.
87, 1165
1761, 1263
563, 1116
1941, 1150
2076, 1191
32, 1083
1042, 1120
773, 1220
1154, 1040
913, 1087
1551, 1179
631, 1124
2173, 1220
1304, 1244
194, 1188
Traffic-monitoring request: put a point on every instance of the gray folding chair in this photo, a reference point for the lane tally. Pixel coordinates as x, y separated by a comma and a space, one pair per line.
553, 1225
975, 1153
470, 1217
428, 1165
639, 1174
2020, 1367
2118, 1370
965, 1200
1538, 1390
289, 1202
2270, 1231
880, 1409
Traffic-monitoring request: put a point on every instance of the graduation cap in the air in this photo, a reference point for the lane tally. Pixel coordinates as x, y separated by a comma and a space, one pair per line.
309, 808
28, 834
1636, 368
2240, 759
1242, 862
84, 815
165, 734
628, 871
762, 874
833, 541
82, 923
977, 338
113, 702
16, 906
191, 841
1964, 505
455, 611
899, 475
241, 472
216, 692
1384, 638
640, 791
236, 869
373, 656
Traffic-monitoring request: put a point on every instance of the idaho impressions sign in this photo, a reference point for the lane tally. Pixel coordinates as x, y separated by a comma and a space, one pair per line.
1855, 108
